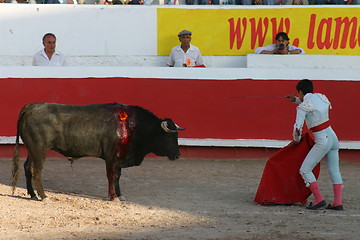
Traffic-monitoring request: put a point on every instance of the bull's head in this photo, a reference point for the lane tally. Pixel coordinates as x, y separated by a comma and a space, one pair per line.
167, 143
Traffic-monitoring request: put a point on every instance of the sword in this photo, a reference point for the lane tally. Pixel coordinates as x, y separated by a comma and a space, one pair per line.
255, 97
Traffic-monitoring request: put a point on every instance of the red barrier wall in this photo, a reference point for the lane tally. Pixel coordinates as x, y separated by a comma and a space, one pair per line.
200, 106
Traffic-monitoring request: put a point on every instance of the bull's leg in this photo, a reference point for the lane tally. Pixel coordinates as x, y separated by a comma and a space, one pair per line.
117, 185
37, 166
28, 175
111, 175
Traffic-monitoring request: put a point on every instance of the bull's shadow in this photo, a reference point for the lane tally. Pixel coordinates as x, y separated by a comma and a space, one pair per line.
84, 177
182, 184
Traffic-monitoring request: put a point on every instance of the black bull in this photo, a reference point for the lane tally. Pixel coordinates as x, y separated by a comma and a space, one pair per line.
120, 134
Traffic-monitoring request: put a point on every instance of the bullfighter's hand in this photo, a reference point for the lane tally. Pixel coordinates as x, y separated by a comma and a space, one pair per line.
290, 97
293, 143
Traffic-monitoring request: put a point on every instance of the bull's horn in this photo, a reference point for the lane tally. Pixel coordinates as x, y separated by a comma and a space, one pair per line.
164, 126
178, 127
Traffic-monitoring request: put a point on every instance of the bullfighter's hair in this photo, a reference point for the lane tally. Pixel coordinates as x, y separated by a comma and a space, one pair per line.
305, 85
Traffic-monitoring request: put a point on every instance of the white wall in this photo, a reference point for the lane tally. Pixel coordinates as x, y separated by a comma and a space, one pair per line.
88, 35
303, 61
180, 73
103, 35
81, 30
131, 60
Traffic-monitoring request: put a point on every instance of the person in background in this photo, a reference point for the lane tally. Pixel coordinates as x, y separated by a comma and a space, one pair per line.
280, 47
353, 2
325, 2
243, 2
185, 54
50, 1
126, 2
269, 2
297, 2
48, 56
212, 2
281, 2
314, 109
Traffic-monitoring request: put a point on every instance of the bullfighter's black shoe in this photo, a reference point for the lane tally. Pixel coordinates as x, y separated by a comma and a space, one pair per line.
337, 208
317, 206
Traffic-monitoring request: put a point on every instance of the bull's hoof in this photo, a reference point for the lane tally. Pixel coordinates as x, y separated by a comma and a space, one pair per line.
34, 198
122, 199
118, 199
115, 199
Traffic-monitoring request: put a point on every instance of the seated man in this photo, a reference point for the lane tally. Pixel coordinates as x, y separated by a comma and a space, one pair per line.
49, 56
280, 47
185, 54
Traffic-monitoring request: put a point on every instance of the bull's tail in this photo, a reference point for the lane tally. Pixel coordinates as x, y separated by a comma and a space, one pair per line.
15, 170
16, 158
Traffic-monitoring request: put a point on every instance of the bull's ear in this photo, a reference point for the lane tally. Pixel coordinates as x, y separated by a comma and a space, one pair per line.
179, 128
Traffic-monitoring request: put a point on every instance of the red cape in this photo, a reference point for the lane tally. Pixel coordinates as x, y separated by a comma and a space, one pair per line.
281, 182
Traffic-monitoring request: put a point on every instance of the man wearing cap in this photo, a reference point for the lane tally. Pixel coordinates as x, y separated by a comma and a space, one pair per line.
280, 47
185, 54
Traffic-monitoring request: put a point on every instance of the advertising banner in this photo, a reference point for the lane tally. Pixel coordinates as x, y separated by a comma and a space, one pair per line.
318, 30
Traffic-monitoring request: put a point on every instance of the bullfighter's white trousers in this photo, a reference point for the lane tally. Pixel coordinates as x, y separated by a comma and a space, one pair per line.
326, 144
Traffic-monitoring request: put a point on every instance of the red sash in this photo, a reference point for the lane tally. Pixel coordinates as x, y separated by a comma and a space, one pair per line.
320, 127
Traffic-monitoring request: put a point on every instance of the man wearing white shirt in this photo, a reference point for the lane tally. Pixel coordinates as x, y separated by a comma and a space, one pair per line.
49, 56
185, 55
281, 46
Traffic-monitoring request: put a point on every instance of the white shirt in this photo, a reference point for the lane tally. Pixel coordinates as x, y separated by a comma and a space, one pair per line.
41, 59
273, 46
314, 110
178, 57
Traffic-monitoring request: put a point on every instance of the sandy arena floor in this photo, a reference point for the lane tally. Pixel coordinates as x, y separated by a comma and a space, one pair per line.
183, 199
